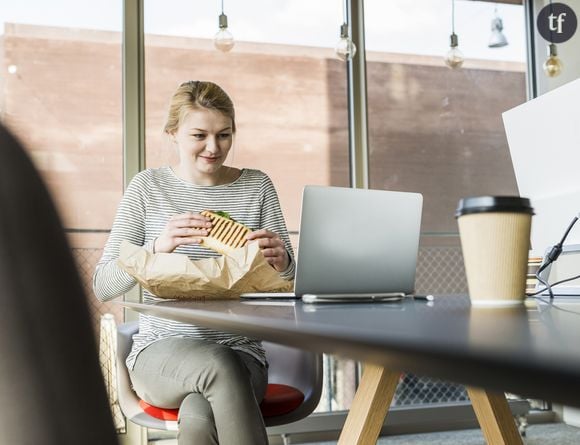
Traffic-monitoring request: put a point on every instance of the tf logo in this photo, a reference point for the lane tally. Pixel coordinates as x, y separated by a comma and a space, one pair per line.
557, 22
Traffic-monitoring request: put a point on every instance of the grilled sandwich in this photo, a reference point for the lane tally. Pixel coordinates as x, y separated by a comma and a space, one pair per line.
225, 234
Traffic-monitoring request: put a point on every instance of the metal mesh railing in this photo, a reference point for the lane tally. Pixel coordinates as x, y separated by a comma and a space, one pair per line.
414, 390
440, 270
86, 259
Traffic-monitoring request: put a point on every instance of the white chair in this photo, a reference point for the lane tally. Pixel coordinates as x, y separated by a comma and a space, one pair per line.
294, 385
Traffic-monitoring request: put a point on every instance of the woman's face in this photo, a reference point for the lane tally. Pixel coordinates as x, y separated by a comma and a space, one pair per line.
204, 139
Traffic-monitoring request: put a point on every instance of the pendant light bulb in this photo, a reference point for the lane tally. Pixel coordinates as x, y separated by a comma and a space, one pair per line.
345, 48
553, 65
223, 40
454, 57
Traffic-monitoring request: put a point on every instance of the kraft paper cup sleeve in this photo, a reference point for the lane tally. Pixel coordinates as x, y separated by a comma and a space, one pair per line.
173, 275
495, 248
495, 236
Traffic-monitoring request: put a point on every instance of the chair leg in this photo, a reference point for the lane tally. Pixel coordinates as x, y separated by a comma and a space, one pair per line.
285, 438
136, 435
522, 423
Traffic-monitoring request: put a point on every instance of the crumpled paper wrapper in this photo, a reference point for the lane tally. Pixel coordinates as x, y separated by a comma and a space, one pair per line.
174, 275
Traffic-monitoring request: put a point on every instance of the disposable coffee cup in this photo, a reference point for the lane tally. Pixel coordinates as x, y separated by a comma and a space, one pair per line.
495, 239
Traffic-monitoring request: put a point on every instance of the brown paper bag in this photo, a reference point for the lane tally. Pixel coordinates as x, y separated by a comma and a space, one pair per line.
174, 275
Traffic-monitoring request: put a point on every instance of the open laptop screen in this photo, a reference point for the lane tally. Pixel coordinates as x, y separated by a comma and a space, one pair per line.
357, 241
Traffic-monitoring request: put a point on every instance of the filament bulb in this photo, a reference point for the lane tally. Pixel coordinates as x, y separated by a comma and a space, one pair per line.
223, 40
553, 65
454, 57
345, 48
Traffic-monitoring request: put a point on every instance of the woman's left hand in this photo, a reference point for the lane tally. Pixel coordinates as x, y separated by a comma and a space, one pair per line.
272, 247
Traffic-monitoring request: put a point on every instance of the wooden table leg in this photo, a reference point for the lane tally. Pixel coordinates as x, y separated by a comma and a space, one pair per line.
494, 416
369, 407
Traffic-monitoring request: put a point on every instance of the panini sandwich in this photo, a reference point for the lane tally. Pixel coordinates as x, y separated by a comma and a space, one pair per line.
225, 234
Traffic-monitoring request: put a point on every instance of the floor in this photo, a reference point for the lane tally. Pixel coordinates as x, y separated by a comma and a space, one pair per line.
544, 434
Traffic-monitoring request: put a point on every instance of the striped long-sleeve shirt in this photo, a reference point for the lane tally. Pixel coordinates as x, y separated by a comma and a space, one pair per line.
152, 197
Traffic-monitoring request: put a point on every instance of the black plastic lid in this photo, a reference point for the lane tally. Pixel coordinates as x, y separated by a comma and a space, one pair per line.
480, 204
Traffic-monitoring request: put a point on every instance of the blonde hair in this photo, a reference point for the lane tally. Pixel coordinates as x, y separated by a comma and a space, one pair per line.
194, 95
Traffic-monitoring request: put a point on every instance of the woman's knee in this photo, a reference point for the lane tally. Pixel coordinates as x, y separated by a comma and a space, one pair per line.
196, 421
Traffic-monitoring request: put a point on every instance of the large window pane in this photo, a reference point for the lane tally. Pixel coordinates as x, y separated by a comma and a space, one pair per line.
439, 131
288, 87
432, 129
60, 93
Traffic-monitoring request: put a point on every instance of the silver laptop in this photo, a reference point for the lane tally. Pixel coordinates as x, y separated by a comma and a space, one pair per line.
355, 244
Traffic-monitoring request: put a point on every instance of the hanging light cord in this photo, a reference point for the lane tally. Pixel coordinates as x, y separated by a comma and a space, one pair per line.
452, 16
344, 11
222, 6
551, 13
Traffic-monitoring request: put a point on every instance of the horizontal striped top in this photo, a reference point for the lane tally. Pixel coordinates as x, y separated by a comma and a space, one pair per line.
152, 197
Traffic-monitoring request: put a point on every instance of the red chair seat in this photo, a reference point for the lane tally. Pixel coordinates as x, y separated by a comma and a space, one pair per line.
279, 399
159, 413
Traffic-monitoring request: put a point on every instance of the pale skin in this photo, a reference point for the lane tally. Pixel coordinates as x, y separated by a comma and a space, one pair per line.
204, 139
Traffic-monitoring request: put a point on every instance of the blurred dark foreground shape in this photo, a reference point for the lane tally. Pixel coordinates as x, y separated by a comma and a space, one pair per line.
51, 388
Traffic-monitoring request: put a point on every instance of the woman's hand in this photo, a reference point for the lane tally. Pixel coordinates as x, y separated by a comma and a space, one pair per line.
185, 228
272, 247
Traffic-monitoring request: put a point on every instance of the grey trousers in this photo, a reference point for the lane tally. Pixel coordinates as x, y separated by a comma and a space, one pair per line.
216, 389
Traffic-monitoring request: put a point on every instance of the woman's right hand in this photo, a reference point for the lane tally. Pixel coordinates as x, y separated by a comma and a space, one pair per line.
185, 228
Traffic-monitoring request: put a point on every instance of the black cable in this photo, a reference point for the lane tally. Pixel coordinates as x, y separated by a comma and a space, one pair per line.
547, 285
553, 305
553, 256
555, 284
568, 230
557, 249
